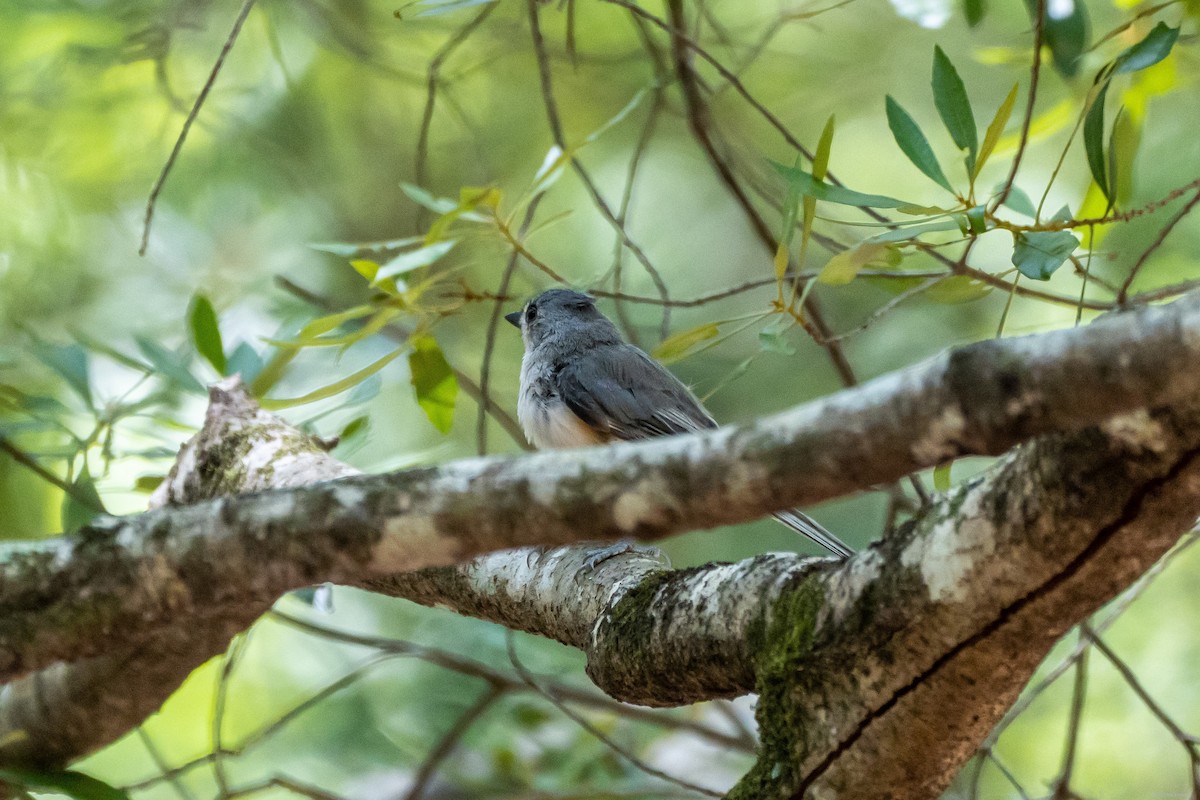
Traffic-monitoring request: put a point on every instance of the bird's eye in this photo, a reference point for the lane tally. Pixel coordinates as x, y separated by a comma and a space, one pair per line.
531, 313
584, 306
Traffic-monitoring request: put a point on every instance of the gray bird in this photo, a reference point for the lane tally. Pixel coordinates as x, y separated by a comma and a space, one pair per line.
581, 384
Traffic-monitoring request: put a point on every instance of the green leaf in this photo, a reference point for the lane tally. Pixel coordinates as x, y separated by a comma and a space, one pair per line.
169, 365
957, 289
433, 382
1018, 201
1037, 254
73, 784
809, 186
977, 220
845, 266
975, 11
1149, 51
352, 249
791, 210
954, 106
1066, 35
674, 347
206, 334
995, 130
244, 361
354, 427
431, 8
82, 504
913, 231
1122, 151
441, 205
1093, 142
337, 387
773, 338
941, 477
913, 143
413, 259
70, 361
148, 483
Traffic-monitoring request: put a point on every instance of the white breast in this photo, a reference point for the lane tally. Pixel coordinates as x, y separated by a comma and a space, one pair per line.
545, 418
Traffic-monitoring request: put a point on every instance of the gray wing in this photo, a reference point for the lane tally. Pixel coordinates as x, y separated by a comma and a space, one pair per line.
621, 391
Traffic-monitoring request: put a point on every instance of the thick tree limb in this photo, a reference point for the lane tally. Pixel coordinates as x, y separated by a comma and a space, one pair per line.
127, 584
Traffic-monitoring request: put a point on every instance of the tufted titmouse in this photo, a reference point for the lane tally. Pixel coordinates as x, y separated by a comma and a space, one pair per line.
581, 384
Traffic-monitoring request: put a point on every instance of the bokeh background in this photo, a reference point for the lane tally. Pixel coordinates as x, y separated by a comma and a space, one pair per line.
307, 148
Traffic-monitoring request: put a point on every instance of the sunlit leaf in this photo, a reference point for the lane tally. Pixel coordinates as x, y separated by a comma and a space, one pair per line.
954, 106
809, 186
206, 334
941, 477
1037, 254
148, 483
440, 205
81, 505
378, 322
995, 129
70, 361
73, 784
913, 143
1149, 51
845, 266
337, 387
674, 347
1122, 151
433, 382
413, 259
352, 249
1093, 142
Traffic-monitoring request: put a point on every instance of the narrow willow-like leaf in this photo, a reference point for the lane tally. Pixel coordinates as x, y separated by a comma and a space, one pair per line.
845, 266
954, 106
170, 365
674, 347
70, 361
413, 259
1093, 142
913, 231
975, 10
73, 784
433, 382
913, 143
1149, 51
809, 186
995, 130
81, 505
1066, 34
206, 334
337, 387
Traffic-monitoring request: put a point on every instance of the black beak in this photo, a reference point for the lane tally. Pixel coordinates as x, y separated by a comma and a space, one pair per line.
514, 318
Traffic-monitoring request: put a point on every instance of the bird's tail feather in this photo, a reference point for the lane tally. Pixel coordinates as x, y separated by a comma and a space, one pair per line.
803, 523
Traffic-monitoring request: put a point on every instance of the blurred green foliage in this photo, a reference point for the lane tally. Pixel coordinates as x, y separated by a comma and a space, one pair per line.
318, 159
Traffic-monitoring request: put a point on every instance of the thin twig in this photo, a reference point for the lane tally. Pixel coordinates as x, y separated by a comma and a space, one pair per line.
445, 745
152, 202
1035, 71
24, 459
431, 88
1162, 235
489, 342
604, 738
556, 130
1062, 787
